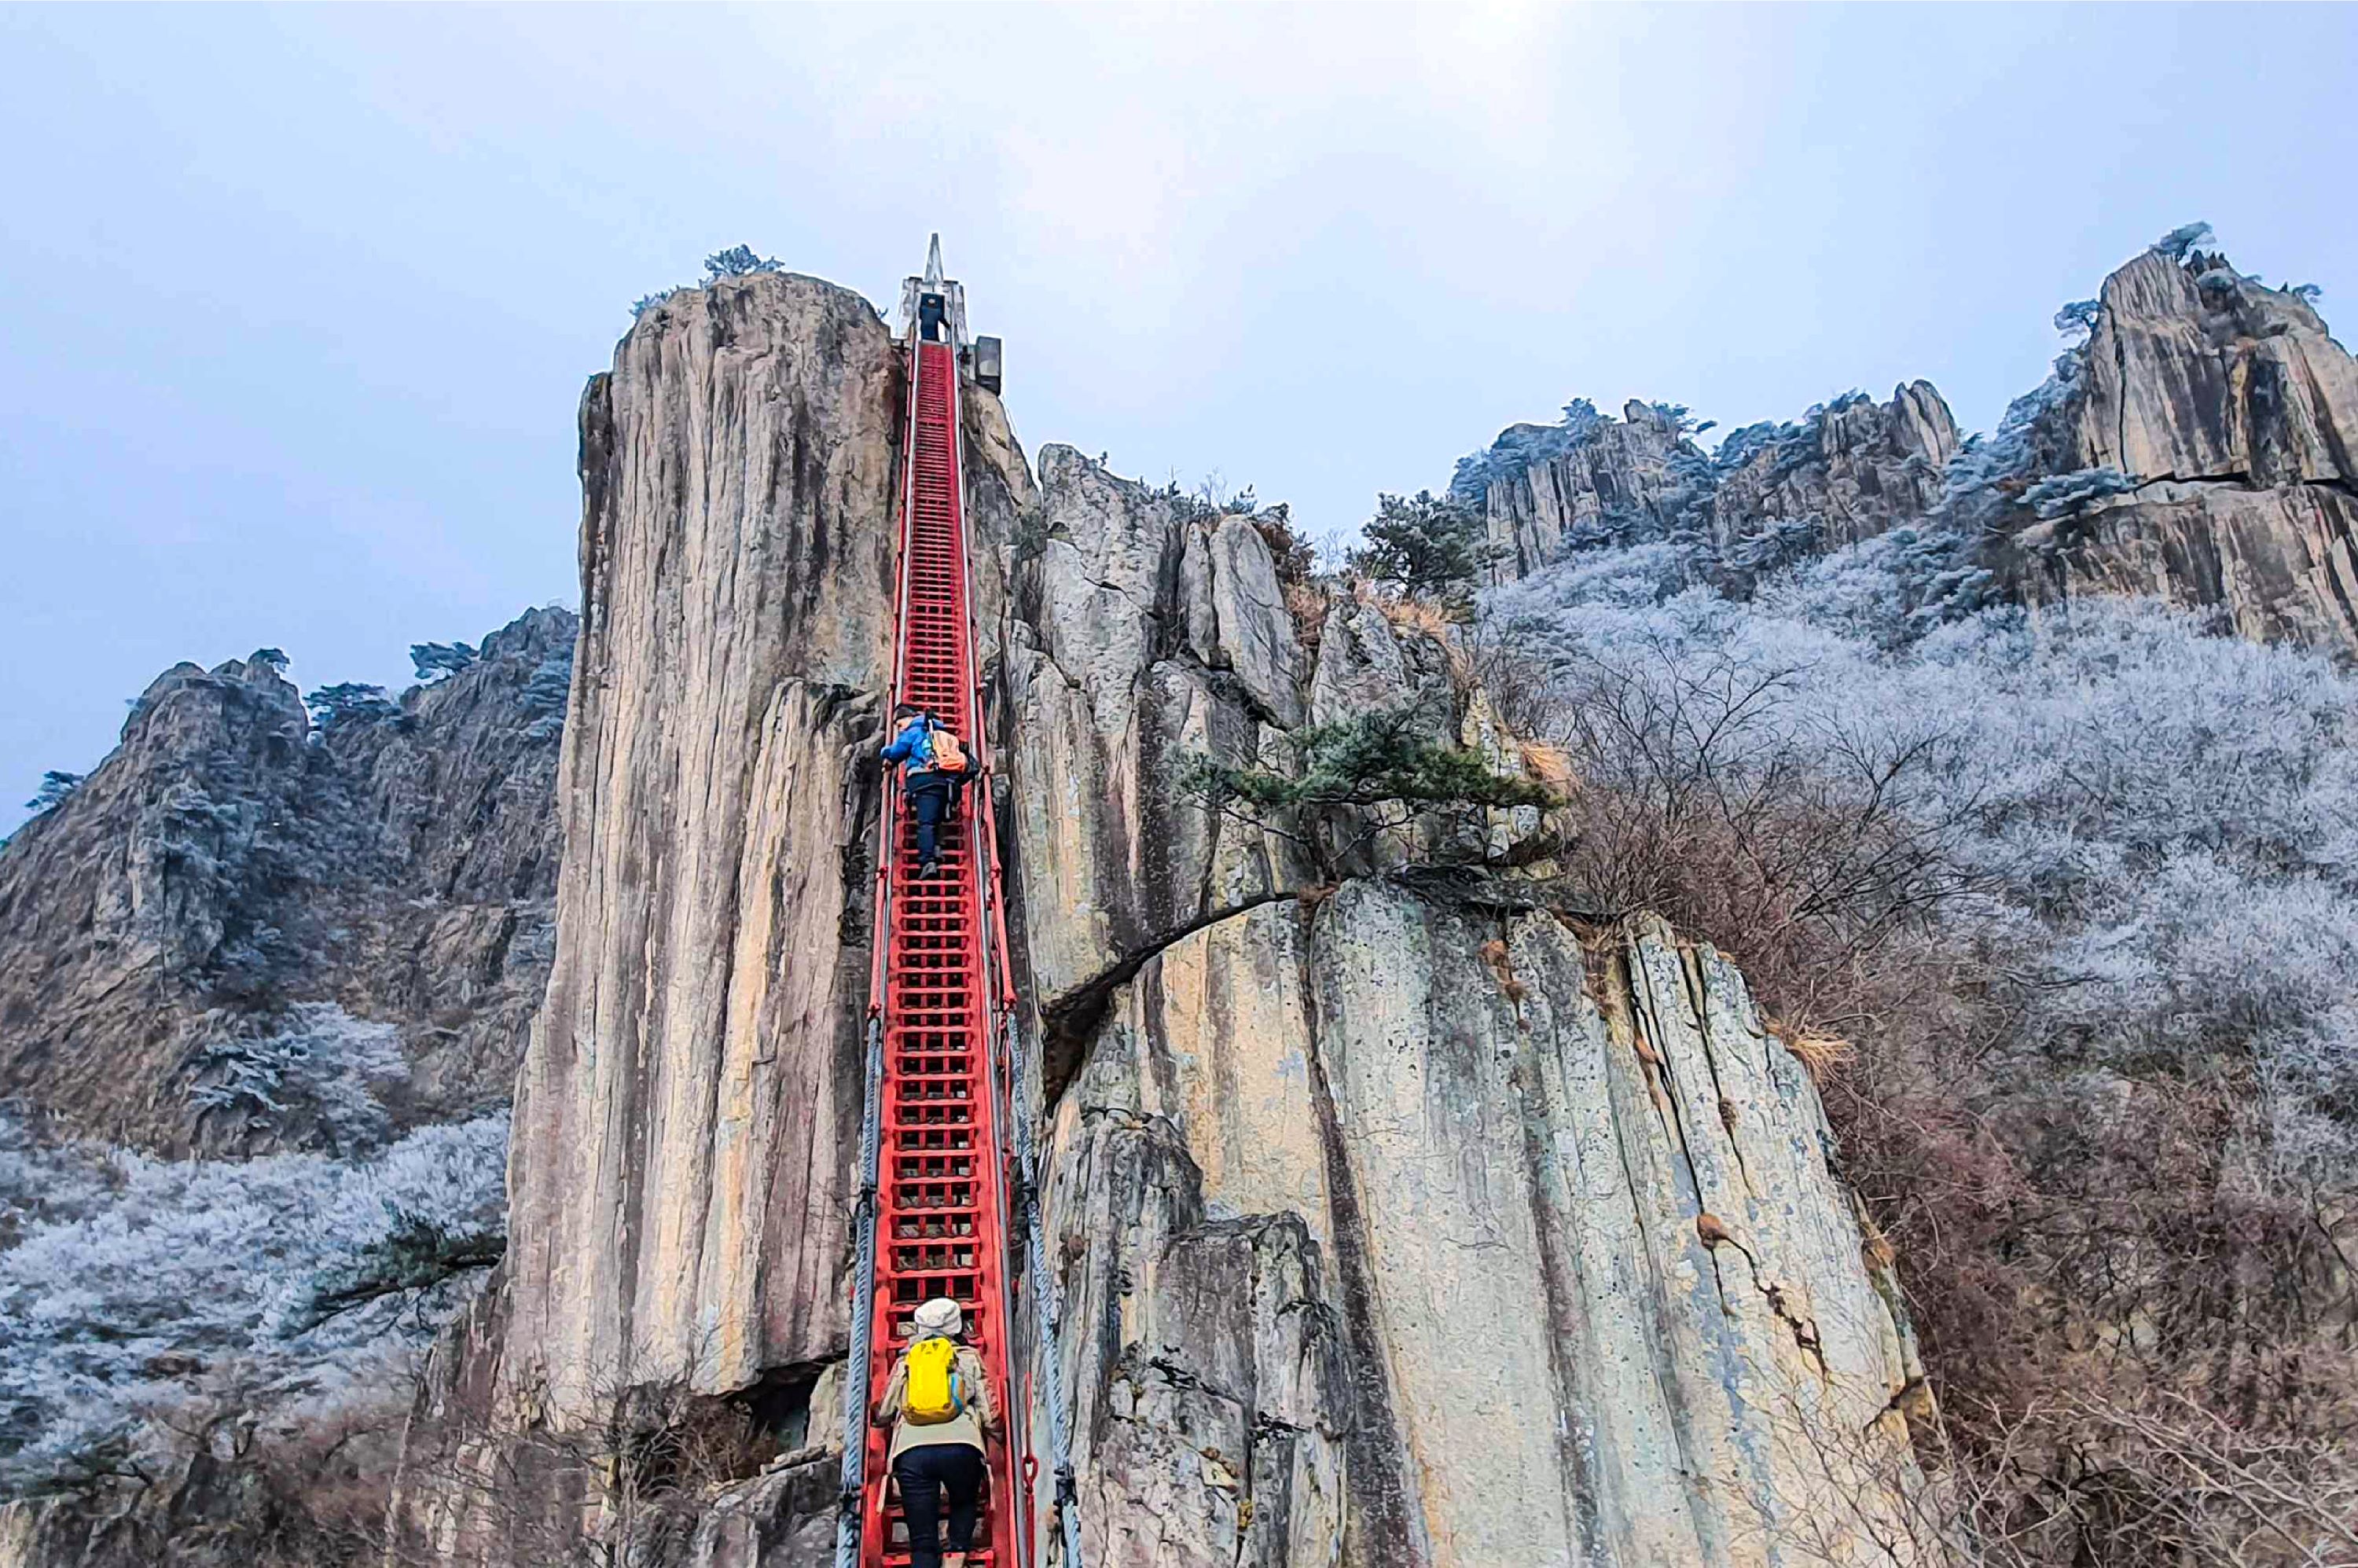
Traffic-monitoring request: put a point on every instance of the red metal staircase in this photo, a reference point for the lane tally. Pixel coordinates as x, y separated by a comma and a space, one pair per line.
940, 997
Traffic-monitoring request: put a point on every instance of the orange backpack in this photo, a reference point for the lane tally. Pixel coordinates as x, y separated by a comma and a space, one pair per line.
949, 756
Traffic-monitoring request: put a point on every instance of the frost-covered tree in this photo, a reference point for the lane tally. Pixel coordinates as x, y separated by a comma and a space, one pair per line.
2079, 316
56, 784
350, 702
545, 694
2115, 852
295, 1274
737, 261
2060, 495
432, 660
311, 1082
1520, 446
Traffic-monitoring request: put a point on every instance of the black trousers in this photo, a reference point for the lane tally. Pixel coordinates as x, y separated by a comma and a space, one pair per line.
925, 1473
929, 798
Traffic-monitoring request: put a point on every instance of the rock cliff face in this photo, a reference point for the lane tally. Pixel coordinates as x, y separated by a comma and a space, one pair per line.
2232, 419
1854, 470
2201, 447
1377, 1208
683, 1128
1369, 1215
687, 1111
1143, 629
1374, 1225
228, 860
1846, 472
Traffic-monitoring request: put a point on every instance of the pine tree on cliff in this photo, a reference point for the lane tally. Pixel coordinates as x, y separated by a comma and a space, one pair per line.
1424, 545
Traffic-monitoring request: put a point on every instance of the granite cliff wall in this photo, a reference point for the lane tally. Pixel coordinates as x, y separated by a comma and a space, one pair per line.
2201, 446
2231, 417
1356, 1207
1847, 470
228, 860
1378, 1207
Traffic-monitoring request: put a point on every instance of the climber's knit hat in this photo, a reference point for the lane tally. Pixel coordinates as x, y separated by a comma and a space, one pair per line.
939, 1318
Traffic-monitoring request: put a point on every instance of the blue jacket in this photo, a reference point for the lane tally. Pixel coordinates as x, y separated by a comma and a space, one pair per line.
913, 746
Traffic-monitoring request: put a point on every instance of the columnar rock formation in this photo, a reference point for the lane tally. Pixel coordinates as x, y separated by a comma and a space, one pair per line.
1854, 470
684, 1113
1846, 472
227, 859
687, 1111
1369, 1215
1380, 1207
2201, 447
2232, 418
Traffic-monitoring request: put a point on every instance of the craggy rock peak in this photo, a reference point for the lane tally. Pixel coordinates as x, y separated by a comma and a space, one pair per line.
1854, 470
1848, 471
1294, 1153
1146, 627
2201, 447
683, 1125
2231, 417
687, 1111
1305, 1144
228, 860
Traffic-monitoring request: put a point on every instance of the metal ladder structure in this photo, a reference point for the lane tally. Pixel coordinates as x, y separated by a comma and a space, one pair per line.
945, 1190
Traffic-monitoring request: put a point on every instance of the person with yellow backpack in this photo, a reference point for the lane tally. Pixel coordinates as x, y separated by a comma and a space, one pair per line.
934, 764
938, 1403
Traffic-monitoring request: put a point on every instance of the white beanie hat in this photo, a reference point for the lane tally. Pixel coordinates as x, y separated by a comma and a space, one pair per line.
939, 1318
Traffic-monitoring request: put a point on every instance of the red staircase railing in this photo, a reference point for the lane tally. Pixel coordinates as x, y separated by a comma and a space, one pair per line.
941, 1195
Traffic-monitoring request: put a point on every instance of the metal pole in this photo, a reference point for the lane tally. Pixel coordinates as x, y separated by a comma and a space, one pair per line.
855, 1377
1047, 1301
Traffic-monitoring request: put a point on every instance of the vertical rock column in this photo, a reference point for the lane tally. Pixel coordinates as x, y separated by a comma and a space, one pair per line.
688, 1106
2234, 416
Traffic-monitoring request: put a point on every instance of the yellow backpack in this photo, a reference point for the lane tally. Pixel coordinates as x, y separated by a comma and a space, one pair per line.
937, 1389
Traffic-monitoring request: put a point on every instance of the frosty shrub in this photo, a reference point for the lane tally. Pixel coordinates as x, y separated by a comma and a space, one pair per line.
2059, 495
312, 1082
2177, 811
545, 694
737, 261
349, 702
2082, 893
56, 784
134, 1289
432, 660
40, 1185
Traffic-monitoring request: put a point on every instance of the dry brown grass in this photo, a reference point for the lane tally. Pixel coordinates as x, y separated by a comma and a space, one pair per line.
1439, 625
1306, 601
1821, 1053
1550, 763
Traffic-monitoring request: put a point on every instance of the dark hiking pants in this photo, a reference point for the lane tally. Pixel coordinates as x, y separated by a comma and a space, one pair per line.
929, 799
925, 1473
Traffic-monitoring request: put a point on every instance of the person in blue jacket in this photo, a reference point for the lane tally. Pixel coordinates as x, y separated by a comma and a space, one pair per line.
930, 791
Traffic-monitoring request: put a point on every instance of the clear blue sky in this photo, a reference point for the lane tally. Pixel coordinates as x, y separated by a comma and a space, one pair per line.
296, 304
